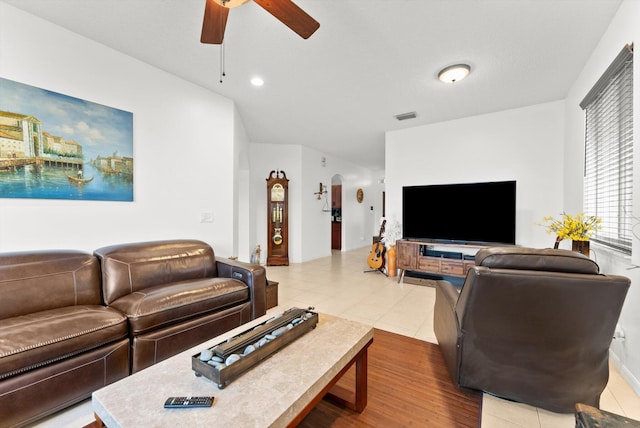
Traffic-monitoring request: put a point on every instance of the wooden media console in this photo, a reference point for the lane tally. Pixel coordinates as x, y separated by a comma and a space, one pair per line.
452, 260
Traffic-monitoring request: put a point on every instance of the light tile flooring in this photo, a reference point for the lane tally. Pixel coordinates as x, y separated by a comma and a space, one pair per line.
340, 286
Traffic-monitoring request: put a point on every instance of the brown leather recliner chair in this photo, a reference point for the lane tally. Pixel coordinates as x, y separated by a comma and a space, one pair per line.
531, 325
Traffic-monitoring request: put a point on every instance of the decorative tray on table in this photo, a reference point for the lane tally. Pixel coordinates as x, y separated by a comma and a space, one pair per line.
226, 361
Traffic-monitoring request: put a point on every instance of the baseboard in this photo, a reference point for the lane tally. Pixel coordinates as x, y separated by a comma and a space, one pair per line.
626, 374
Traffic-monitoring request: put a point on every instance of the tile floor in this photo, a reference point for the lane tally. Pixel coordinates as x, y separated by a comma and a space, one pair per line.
339, 285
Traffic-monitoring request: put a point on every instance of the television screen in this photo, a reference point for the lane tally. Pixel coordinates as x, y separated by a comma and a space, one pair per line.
464, 213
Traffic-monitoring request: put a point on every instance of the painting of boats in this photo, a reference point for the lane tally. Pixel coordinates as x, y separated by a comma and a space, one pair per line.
54, 146
79, 180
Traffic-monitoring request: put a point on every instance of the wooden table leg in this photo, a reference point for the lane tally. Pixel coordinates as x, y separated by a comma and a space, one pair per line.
360, 402
95, 424
361, 381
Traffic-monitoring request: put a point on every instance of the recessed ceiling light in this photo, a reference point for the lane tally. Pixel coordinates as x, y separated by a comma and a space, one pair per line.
454, 73
257, 81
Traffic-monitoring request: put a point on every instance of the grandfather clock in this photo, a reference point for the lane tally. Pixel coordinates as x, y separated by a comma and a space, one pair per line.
277, 219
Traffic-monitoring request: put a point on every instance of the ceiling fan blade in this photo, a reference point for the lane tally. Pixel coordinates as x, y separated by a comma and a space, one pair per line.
291, 15
215, 21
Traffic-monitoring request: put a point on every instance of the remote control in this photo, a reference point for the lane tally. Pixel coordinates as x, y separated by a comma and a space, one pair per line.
184, 402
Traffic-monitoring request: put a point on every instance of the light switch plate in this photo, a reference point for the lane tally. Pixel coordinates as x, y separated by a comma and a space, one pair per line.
206, 217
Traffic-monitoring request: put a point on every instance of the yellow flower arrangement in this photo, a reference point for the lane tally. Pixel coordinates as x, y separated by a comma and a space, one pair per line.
577, 228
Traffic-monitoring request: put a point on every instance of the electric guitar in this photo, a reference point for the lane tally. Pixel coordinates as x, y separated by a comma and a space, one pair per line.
376, 255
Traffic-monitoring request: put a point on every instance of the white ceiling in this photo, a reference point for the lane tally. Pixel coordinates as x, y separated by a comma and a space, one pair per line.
339, 90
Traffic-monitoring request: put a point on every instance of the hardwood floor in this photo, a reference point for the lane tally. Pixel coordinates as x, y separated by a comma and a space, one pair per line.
409, 385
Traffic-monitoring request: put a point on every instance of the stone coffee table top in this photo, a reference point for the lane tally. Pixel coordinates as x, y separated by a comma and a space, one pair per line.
272, 393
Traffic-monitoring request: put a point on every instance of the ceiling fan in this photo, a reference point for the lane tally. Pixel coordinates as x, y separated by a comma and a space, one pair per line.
287, 12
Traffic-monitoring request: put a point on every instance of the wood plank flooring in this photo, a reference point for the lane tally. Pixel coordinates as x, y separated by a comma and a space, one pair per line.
409, 386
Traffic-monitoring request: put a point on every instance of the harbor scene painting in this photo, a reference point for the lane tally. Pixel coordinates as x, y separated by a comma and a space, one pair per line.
54, 146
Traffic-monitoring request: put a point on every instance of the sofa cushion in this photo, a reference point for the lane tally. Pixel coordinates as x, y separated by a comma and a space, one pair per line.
550, 260
33, 340
132, 267
35, 281
172, 303
26, 398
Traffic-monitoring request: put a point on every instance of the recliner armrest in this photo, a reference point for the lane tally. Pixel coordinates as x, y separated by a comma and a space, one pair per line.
253, 275
446, 325
450, 293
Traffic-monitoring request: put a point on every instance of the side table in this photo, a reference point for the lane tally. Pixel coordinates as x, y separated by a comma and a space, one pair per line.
592, 417
272, 294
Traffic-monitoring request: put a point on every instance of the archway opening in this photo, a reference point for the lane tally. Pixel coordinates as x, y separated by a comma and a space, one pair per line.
336, 212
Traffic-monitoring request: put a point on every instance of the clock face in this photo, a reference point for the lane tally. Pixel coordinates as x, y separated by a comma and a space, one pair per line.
360, 195
277, 193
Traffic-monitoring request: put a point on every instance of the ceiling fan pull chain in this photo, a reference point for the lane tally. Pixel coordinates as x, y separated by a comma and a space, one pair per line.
222, 74
224, 62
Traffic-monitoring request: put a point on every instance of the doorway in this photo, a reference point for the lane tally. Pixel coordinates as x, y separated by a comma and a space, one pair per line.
336, 212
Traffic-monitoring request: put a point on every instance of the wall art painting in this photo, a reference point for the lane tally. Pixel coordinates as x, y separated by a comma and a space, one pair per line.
54, 146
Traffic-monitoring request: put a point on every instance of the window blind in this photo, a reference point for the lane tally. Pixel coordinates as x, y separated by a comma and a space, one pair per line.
608, 169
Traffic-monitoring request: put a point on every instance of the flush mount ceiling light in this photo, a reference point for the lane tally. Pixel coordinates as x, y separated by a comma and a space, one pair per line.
257, 81
454, 73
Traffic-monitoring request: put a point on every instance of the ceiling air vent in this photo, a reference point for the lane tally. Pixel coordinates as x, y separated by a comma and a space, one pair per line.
405, 116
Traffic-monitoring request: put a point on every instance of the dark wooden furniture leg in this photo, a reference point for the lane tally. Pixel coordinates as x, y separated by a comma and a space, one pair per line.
360, 402
95, 424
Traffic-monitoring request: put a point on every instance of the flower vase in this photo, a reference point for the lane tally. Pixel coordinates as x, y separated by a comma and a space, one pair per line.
391, 261
580, 247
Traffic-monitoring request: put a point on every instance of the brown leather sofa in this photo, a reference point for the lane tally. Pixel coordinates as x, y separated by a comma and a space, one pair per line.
72, 322
177, 294
531, 325
58, 342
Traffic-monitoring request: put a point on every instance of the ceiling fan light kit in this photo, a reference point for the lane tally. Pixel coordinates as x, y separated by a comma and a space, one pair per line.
230, 3
454, 73
285, 11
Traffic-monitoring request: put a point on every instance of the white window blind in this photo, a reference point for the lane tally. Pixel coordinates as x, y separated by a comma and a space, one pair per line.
608, 173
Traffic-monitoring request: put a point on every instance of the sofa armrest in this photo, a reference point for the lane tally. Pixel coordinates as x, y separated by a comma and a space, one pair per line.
447, 326
251, 274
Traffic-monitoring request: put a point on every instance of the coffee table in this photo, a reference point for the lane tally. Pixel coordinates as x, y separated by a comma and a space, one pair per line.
278, 392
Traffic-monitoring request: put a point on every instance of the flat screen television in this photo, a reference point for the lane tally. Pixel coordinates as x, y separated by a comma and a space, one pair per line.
460, 213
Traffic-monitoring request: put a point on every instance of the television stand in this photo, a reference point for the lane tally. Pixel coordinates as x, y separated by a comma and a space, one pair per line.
441, 260
424, 278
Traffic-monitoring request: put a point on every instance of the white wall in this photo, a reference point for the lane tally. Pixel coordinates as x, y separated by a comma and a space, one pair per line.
623, 29
523, 144
180, 171
309, 226
359, 222
242, 203
183, 146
